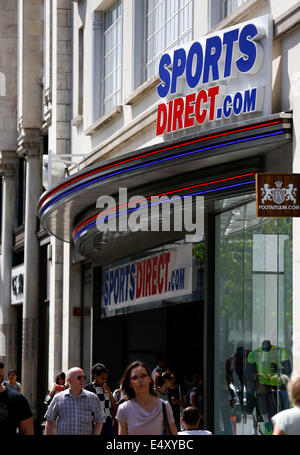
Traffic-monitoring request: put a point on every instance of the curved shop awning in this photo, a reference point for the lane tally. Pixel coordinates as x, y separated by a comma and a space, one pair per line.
66, 209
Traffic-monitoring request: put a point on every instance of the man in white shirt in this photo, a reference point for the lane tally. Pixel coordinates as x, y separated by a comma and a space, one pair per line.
190, 420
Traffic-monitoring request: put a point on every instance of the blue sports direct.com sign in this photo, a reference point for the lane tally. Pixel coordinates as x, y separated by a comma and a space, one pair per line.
221, 77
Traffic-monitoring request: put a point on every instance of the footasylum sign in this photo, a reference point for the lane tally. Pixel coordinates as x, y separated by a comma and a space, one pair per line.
277, 195
220, 78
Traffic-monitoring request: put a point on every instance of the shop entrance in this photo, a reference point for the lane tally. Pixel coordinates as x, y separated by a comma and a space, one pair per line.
175, 331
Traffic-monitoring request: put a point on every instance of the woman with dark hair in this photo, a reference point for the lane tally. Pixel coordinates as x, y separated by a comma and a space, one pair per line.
12, 381
143, 412
59, 384
178, 397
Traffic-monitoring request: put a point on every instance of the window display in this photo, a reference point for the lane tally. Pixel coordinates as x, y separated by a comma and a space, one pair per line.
253, 319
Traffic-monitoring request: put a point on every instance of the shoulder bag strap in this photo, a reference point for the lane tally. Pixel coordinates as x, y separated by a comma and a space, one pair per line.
166, 422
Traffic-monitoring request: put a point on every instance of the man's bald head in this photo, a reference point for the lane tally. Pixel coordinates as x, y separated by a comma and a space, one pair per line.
75, 371
75, 378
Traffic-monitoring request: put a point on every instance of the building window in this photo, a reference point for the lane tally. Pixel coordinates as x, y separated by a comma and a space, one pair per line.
112, 56
80, 70
168, 23
220, 9
229, 6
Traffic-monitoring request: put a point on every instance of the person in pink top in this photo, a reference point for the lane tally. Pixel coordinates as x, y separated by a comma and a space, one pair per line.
143, 412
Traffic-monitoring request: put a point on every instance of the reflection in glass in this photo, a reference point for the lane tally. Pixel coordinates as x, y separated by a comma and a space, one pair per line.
253, 319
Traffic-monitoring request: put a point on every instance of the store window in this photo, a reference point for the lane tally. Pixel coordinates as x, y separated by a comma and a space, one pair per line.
112, 56
168, 23
253, 319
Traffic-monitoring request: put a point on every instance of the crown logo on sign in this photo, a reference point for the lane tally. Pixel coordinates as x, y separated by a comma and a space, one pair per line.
278, 184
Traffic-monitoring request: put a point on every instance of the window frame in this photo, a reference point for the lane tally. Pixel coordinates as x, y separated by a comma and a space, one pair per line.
116, 94
180, 39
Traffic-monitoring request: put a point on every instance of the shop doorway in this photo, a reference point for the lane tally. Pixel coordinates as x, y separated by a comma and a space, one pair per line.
175, 331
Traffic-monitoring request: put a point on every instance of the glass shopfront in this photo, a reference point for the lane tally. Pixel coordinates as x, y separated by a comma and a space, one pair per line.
253, 318
249, 341
142, 320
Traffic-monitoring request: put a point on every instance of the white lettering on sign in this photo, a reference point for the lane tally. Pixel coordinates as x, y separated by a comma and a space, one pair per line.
228, 74
164, 275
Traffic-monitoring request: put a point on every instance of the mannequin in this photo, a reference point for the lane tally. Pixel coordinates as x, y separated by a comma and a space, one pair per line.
270, 361
268, 368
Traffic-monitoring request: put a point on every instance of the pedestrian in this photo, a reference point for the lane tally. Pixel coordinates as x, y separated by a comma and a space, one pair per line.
59, 385
100, 387
161, 384
143, 412
12, 381
190, 419
75, 411
287, 422
160, 365
15, 412
118, 394
196, 394
178, 397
